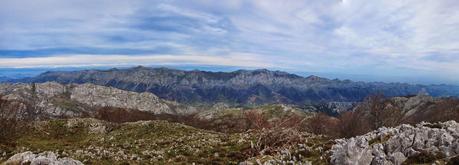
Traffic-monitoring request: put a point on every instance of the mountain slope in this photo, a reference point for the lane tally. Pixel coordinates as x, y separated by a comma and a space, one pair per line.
77, 100
239, 87
3, 78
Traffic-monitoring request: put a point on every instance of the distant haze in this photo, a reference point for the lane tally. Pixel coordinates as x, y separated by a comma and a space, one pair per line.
18, 73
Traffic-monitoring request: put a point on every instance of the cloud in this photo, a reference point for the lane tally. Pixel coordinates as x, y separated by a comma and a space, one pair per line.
383, 37
240, 60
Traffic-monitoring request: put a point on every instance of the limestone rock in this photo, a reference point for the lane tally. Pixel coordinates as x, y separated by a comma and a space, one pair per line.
95, 95
49, 158
55, 100
395, 145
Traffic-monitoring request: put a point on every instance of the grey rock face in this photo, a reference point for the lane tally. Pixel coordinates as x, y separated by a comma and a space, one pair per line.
101, 96
75, 100
331, 108
395, 145
94, 126
48, 158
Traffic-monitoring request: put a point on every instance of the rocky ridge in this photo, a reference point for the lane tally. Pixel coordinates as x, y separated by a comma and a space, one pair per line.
76, 100
246, 87
432, 142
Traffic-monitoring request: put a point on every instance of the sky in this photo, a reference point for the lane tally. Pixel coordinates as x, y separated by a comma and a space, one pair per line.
414, 41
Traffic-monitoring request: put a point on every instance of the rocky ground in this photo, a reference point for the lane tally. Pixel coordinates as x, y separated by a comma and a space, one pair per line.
41, 158
91, 141
423, 143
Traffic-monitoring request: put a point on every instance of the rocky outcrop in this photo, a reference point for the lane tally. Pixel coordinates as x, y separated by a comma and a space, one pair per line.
101, 96
396, 145
411, 105
93, 126
48, 158
76, 100
330, 108
239, 87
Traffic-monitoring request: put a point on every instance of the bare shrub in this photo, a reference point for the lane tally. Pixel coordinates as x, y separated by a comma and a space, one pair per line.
443, 110
321, 123
374, 112
256, 120
272, 140
275, 135
373, 109
352, 124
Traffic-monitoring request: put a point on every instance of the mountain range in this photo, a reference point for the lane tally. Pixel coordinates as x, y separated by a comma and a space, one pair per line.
241, 87
3, 78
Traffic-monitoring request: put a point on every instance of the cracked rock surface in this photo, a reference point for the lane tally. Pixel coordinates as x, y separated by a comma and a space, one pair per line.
396, 145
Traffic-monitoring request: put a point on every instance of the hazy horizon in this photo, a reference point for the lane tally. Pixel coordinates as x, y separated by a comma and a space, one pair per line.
18, 73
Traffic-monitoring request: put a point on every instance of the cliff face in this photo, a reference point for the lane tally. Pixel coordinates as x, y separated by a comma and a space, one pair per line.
238, 87
76, 100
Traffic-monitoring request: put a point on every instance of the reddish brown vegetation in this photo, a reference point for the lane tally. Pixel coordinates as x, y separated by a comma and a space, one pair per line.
376, 111
14, 117
120, 115
321, 123
274, 135
442, 110
256, 119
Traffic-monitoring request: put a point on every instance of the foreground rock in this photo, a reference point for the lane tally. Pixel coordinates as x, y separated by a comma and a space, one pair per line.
423, 143
48, 158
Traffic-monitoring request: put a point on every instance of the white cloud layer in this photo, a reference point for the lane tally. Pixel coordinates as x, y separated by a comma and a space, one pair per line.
125, 60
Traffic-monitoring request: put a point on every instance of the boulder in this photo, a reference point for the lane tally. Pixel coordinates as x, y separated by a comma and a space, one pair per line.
48, 158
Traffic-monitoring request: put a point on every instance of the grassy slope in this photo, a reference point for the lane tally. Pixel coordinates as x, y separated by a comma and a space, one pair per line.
140, 142
150, 142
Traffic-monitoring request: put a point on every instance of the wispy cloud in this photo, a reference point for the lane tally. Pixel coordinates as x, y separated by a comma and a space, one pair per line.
240, 60
383, 37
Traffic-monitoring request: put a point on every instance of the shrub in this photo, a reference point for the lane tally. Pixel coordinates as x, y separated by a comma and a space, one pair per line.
321, 123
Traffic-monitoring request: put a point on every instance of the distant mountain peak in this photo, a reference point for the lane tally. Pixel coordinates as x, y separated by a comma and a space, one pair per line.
315, 78
140, 67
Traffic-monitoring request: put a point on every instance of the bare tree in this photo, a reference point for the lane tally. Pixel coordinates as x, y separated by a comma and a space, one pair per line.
374, 106
352, 124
